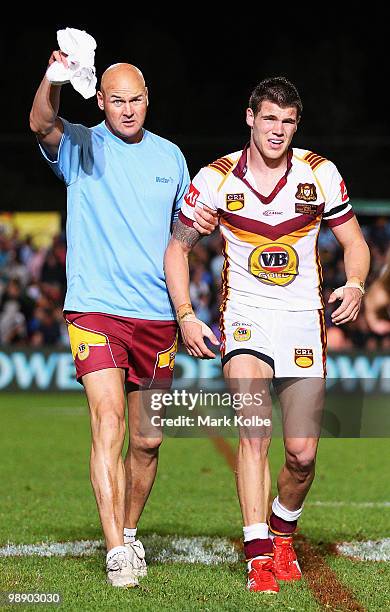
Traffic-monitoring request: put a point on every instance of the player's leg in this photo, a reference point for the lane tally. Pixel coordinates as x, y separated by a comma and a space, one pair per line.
154, 346
141, 460
302, 401
140, 468
302, 404
297, 473
252, 473
105, 394
247, 374
100, 363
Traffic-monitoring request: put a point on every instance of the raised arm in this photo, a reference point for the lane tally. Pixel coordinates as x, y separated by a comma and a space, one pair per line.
44, 121
178, 282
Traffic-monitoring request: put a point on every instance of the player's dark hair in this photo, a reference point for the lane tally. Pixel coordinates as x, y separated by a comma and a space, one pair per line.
277, 90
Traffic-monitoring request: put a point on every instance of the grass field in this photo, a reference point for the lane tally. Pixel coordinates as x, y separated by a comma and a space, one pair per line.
46, 497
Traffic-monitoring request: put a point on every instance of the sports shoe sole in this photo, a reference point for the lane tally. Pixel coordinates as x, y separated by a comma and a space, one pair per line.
122, 582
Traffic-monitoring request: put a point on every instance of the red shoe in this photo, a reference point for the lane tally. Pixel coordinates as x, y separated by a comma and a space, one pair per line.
260, 576
285, 566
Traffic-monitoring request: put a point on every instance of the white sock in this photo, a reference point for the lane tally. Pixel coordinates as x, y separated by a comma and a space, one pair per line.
256, 531
283, 513
114, 551
129, 535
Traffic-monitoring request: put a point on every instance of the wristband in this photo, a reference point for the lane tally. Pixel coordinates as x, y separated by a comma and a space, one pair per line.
189, 317
356, 282
358, 285
184, 310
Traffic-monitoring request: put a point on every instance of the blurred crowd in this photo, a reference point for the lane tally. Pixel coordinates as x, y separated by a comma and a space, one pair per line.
33, 285
32, 290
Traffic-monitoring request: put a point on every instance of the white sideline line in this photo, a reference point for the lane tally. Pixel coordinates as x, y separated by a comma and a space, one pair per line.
336, 504
173, 549
371, 550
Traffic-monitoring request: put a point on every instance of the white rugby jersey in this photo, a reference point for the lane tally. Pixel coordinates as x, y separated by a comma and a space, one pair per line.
270, 242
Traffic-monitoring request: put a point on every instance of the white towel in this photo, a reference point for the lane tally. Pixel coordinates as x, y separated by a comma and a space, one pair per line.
80, 49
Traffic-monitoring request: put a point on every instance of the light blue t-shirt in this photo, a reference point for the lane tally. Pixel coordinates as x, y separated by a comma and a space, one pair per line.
122, 200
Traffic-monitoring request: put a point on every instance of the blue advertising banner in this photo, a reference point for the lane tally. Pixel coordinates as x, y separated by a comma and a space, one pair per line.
51, 370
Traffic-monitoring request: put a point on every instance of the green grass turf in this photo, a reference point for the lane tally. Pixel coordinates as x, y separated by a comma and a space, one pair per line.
46, 496
369, 581
168, 587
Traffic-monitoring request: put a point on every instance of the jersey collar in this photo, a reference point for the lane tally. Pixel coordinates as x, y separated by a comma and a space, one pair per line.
241, 168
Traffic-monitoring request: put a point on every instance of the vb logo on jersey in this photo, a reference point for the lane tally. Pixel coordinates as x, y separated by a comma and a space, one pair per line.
306, 192
82, 351
235, 201
274, 264
241, 334
304, 357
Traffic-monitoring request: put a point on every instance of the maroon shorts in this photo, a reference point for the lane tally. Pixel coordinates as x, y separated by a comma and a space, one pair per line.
144, 349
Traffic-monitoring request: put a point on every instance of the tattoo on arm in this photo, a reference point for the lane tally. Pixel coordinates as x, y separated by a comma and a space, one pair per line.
188, 235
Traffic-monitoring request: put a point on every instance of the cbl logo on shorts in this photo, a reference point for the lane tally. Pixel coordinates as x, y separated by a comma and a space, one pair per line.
241, 334
274, 263
83, 351
304, 357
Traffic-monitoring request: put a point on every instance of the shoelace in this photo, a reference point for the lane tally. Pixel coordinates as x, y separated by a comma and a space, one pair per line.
266, 568
286, 555
138, 550
115, 565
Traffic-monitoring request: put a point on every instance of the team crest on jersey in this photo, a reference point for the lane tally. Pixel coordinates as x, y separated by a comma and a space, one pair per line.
274, 263
242, 334
235, 201
304, 357
191, 196
306, 192
83, 351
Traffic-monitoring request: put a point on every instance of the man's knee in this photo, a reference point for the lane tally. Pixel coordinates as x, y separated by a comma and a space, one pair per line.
108, 424
255, 446
301, 460
146, 445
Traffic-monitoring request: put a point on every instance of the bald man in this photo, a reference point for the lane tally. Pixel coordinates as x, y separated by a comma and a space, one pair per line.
125, 187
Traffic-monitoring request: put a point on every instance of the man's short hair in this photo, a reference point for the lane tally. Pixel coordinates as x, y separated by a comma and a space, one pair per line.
277, 90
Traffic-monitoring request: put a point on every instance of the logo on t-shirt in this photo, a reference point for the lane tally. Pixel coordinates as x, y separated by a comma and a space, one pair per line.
274, 264
235, 201
191, 196
344, 193
306, 209
163, 179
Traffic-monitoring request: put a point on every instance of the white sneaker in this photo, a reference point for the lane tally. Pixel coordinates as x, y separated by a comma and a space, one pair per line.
120, 571
137, 558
